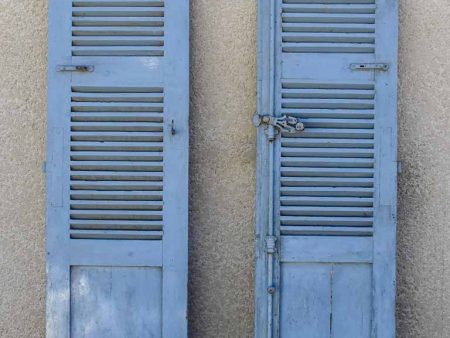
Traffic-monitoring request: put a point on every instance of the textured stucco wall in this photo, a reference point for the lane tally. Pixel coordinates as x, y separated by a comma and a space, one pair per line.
424, 187
23, 55
223, 100
222, 168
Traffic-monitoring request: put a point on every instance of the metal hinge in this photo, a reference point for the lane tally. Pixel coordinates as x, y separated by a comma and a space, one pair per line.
285, 123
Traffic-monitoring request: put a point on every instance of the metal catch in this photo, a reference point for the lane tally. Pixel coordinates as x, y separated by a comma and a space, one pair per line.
370, 66
75, 68
285, 123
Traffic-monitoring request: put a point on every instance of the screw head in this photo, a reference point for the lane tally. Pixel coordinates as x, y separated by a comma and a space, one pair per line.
271, 290
299, 126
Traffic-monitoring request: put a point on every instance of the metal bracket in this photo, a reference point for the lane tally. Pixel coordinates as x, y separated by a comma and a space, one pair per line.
75, 68
285, 123
271, 244
369, 66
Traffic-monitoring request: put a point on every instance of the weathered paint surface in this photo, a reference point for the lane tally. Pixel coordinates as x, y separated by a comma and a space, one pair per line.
116, 302
117, 170
223, 50
327, 191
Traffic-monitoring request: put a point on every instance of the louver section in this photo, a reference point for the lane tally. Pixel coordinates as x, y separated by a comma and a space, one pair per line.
327, 172
328, 26
116, 163
118, 28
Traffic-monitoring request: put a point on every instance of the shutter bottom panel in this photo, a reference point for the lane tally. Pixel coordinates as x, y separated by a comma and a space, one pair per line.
116, 187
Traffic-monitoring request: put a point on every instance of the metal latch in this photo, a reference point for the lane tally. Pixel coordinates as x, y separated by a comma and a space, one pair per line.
369, 66
285, 123
75, 68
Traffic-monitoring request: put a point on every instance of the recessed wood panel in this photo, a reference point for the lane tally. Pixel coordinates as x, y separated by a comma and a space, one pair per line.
115, 302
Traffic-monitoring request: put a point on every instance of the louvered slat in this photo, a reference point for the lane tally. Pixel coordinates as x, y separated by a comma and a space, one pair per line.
327, 171
116, 163
114, 234
118, 28
331, 26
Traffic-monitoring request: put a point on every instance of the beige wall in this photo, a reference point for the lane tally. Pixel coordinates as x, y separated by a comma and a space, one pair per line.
23, 30
222, 168
424, 196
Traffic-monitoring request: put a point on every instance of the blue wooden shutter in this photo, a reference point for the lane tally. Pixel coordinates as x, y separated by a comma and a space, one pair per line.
117, 166
326, 199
